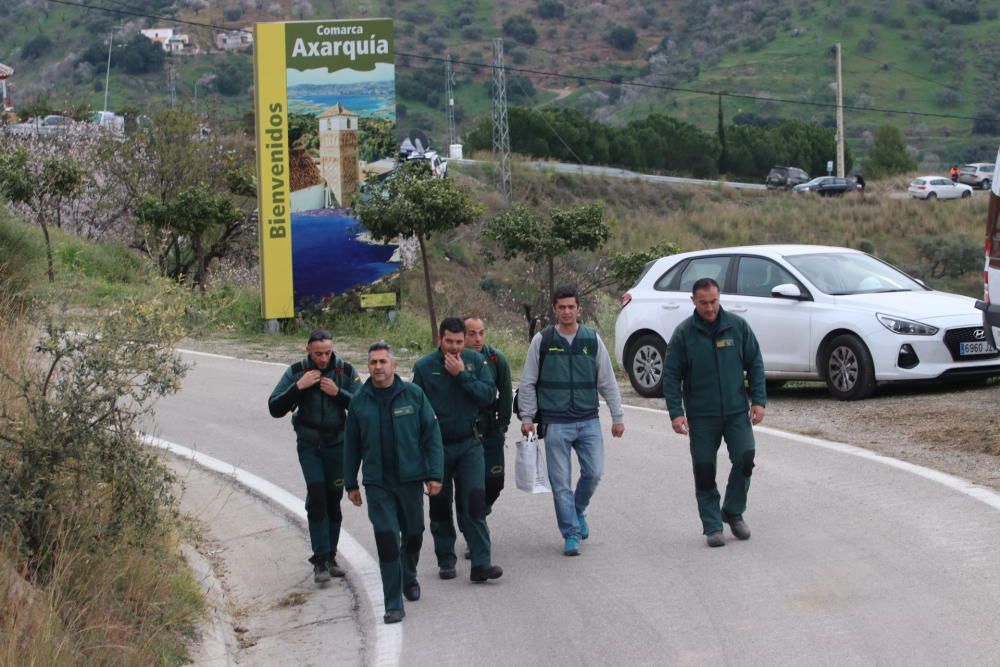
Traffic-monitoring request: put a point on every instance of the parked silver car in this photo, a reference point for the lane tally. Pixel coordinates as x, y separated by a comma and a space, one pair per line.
977, 174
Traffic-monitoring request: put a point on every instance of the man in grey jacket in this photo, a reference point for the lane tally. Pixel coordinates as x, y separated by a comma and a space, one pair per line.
567, 365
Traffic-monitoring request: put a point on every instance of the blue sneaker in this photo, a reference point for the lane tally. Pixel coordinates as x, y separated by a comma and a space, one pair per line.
584, 528
572, 546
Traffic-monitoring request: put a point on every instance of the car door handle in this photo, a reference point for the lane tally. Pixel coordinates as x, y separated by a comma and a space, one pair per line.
670, 306
738, 309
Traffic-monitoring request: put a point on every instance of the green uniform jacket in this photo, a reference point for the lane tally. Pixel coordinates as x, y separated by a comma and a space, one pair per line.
496, 418
707, 365
419, 453
457, 399
317, 417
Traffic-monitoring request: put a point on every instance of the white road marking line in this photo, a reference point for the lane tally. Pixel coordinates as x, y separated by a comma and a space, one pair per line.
388, 638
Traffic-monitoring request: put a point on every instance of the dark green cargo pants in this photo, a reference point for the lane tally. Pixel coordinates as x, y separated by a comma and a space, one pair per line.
463, 483
707, 434
494, 466
323, 469
397, 516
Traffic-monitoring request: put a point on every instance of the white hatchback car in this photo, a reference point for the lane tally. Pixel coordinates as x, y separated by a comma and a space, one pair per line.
938, 187
820, 313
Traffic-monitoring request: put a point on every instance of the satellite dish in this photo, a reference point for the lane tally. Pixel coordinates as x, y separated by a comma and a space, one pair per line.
419, 140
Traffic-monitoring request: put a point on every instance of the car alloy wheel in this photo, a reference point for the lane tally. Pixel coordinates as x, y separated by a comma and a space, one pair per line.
644, 364
850, 375
986, 184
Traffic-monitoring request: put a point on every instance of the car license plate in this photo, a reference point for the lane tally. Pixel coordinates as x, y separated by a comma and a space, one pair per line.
975, 347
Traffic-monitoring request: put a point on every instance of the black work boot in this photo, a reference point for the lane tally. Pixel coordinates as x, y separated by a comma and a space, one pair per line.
411, 591
481, 573
394, 616
321, 572
335, 570
741, 530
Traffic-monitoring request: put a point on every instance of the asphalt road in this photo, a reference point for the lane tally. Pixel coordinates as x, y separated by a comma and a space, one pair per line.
852, 562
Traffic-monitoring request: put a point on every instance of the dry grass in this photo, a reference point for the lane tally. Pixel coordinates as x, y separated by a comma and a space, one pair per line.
133, 603
884, 221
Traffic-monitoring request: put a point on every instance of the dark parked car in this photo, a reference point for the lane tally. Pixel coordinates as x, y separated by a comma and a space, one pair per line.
828, 186
785, 177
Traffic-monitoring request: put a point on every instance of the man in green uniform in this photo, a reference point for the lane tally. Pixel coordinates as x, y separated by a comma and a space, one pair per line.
319, 389
392, 435
458, 384
495, 419
707, 400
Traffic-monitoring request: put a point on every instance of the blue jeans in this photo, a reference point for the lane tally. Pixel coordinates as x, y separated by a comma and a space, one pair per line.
560, 440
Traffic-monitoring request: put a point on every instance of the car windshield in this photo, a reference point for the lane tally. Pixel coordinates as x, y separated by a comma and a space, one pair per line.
839, 273
817, 180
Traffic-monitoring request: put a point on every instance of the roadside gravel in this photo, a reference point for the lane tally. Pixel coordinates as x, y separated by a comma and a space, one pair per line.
952, 428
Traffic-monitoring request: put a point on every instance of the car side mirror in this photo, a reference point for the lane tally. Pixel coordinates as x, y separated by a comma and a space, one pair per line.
788, 291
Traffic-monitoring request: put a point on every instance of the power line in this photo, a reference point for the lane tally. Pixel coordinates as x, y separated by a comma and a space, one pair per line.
574, 77
900, 69
549, 125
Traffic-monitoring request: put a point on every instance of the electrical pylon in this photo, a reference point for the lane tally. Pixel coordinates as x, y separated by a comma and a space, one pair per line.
501, 129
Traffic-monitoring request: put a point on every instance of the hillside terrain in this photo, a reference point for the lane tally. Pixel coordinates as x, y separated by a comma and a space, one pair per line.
618, 60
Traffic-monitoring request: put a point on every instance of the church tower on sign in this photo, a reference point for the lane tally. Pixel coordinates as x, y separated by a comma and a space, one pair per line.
338, 153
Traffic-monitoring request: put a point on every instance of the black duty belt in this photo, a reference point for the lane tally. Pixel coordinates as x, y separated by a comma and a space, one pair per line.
330, 432
464, 438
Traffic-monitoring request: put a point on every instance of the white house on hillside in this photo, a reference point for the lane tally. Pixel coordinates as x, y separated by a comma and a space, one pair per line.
171, 40
236, 39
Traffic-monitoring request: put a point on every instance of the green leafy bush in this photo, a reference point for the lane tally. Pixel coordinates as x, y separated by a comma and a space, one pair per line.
520, 28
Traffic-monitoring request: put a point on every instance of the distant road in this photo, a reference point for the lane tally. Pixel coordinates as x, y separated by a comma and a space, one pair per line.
565, 168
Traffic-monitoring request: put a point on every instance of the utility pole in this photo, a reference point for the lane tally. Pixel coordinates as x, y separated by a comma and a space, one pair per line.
171, 84
449, 86
501, 129
107, 75
840, 116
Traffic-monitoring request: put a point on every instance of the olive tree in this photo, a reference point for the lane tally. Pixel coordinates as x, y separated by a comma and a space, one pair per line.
414, 203
42, 189
520, 232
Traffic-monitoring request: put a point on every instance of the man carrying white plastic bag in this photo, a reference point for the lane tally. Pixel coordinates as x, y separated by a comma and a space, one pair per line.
530, 472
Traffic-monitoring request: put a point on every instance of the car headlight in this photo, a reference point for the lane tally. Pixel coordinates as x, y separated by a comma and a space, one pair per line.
907, 327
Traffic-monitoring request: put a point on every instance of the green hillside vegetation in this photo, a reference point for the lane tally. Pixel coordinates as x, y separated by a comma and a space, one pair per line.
90, 570
910, 55
928, 57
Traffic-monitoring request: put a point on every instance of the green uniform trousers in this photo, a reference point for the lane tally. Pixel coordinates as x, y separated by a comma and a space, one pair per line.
323, 469
707, 434
397, 516
463, 483
493, 457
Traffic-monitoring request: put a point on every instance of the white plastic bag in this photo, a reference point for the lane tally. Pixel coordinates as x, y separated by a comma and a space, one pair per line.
530, 472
